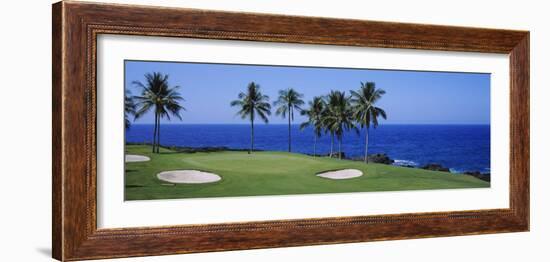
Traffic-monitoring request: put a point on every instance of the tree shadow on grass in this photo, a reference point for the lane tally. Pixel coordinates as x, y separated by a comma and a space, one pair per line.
133, 186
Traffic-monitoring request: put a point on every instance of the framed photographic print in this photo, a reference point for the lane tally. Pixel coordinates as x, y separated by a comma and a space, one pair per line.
193, 131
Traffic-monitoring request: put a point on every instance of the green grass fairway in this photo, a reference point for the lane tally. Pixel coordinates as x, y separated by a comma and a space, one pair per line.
274, 173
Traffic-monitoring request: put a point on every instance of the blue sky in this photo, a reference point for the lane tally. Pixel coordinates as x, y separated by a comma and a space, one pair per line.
412, 97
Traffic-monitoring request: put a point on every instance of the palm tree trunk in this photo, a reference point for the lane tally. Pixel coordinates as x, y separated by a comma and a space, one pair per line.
331, 143
366, 145
289, 108
158, 136
340, 147
154, 133
251, 136
314, 144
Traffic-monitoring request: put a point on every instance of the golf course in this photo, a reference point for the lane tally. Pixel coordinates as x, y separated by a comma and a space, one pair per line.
272, 173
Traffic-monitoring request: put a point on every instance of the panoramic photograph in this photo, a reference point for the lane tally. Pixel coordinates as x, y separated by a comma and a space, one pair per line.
199, 130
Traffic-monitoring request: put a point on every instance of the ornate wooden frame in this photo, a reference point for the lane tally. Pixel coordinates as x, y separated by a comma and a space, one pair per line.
76, 26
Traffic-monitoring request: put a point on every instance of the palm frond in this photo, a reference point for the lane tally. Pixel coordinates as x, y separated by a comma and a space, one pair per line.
252, 103
363, 102
156, 93
287, 100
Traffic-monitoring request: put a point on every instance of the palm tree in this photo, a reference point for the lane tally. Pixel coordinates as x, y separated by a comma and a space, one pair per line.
288, 101
325, 123
129, 108
365, 110
314, 114
338, 117
156, 93
253, 102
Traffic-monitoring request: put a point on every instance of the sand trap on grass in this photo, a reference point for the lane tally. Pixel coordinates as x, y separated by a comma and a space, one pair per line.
136, 158
341, 174
188, 177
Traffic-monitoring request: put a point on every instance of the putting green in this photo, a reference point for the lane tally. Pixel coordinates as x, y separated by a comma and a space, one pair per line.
274, 173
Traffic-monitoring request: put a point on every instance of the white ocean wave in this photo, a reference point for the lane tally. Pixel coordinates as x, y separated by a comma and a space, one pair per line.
462, 171
401, 162
456, 170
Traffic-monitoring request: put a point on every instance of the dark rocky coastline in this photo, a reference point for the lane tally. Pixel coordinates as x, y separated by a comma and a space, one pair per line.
376, 158
477, 174
385, 159
482, 176
436, 167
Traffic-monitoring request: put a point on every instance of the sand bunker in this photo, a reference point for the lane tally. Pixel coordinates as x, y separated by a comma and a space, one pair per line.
341, 174
136, 158
188, 177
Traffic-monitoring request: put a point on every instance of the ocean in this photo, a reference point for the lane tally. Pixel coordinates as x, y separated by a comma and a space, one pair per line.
458, 147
